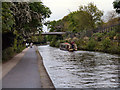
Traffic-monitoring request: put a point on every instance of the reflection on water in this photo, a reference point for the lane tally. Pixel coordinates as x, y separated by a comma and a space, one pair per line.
81, 69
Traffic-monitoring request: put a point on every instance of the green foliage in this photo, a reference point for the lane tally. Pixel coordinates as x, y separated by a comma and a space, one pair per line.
98, 47
86, 18
79, 21
94, 12
7, 53
81, 44
55, 26
106, 44
57, 43
116, 5
84, 21
98, 36
15, 45
111, 34
114, 48
34, 39
20, 47
91, 45
40, 38
39, 13
20, 21
53, 42
117, 29
40, 8
7, 18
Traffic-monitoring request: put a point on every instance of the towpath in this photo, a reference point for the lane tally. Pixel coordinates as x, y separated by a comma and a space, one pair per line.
25, 74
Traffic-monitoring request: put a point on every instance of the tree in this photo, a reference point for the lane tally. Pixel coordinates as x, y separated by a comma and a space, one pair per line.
8, 22
95, 13
83, 20
116, 5
39, 13
20, 20
29, 16
7, 18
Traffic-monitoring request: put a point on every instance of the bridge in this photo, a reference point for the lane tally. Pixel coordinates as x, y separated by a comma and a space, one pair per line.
53, 33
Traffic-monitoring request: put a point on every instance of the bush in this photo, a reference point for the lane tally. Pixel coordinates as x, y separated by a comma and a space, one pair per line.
98, 46
81, 44
10, 51
7, 53
117, 29
52, 43
114, 48
91, 45
111, 34
57, 44
98, 36
62, 41
15, 45
106, 44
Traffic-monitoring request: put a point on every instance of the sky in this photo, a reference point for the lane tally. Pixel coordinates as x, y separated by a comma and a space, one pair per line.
61, 8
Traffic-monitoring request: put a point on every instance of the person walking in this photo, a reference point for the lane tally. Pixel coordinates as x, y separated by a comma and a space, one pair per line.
31, 44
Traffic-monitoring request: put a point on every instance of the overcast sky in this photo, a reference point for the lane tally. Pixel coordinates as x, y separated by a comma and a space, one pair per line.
61, 8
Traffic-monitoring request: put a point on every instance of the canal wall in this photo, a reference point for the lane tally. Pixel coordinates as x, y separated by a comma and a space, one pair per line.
46, 82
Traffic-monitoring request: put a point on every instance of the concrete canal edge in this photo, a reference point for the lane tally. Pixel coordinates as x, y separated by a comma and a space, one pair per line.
46, 82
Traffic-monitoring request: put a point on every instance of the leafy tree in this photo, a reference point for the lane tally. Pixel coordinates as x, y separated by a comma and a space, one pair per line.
91, 44
38, 14
25, 17
7, 18
8, 22
52, 25
83, 20
29, 16
95, 13
86, 18
116, 5
20, 21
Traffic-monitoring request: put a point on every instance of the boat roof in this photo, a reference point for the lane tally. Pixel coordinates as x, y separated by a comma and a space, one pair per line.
65, 43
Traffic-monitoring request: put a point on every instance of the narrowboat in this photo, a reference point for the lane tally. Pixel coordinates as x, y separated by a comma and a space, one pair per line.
68, 47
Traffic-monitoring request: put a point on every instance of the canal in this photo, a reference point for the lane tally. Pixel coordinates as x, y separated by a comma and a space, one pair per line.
81, 69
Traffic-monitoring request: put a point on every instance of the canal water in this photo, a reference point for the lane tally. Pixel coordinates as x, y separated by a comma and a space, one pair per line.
81, 69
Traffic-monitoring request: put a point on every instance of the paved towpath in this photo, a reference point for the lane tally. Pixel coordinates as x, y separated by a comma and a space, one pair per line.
25, 74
